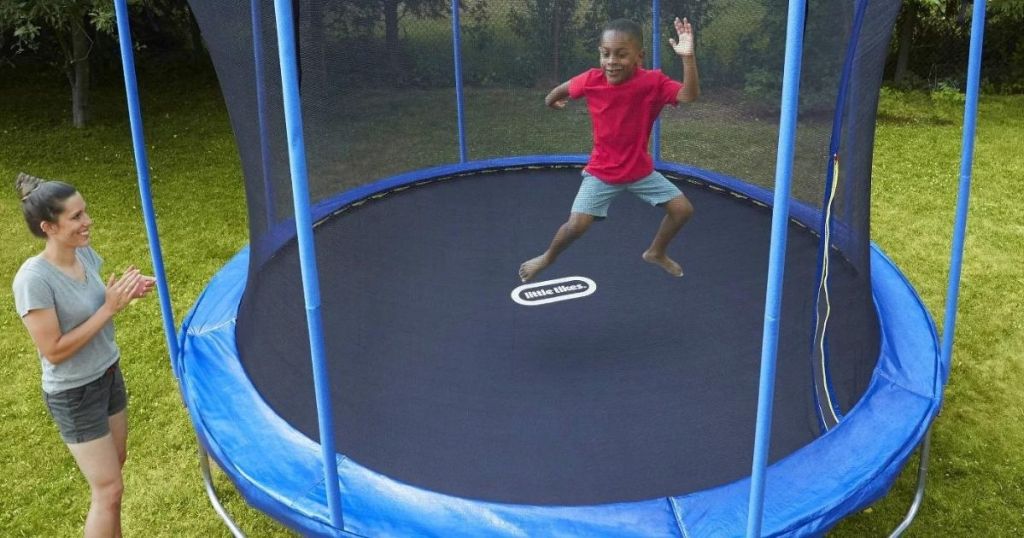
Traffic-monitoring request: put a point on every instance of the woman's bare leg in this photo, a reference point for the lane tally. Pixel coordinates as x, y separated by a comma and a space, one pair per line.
119, 431
100, 463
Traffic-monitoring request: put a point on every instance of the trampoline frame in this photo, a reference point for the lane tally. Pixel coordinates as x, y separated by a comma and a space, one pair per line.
756, 514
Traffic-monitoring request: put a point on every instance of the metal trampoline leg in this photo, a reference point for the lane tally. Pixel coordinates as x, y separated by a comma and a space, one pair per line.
204, 467
922, 473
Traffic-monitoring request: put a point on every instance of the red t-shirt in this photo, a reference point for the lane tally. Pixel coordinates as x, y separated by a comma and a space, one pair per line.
622, 116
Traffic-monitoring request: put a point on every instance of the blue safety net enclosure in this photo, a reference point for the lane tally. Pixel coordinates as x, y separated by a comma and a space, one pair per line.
435, 170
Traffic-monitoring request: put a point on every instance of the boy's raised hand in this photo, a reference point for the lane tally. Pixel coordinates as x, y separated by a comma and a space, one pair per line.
683, 47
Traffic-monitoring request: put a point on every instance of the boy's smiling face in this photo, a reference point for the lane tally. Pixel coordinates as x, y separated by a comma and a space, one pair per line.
620, 56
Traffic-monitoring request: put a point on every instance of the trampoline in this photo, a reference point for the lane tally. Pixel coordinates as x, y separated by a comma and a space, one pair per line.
603, 399
468, 414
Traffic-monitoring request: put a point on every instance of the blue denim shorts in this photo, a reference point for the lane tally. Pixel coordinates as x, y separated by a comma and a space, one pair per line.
82, 413
595, 195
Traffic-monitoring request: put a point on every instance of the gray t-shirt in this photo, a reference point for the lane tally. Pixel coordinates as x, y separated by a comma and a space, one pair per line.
39, 285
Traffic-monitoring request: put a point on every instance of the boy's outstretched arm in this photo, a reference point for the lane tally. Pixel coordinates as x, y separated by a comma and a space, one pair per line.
684, 48
558, 97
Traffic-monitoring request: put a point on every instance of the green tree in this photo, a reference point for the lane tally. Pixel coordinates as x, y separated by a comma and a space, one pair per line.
69, 27
64, 34
360, 17
1003, 45
553, 29
908, 25
932, 39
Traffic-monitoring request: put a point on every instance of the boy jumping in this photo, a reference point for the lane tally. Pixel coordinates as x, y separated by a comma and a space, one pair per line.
624, 99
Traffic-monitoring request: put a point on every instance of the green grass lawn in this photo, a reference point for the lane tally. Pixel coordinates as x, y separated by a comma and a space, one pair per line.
977, 468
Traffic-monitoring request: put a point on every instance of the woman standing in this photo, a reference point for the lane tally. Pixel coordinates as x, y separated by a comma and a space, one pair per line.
69, 311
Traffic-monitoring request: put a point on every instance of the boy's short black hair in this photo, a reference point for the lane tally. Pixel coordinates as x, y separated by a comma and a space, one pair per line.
628, 27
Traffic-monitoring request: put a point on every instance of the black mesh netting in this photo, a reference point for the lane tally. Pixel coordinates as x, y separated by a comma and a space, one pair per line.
439, 379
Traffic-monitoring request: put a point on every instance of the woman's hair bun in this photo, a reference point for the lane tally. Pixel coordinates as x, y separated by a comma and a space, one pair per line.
26, 185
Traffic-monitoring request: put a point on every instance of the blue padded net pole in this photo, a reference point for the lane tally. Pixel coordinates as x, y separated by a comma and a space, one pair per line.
307, 251
656, 64
142, 170
828, 413
459, 98
256, 13
959, 234
776, 259
966, 163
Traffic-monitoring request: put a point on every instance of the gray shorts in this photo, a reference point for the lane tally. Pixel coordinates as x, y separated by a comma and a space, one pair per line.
595, 195
82, 413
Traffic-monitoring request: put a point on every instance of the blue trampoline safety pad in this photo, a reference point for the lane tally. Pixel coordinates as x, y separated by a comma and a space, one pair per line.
279, 470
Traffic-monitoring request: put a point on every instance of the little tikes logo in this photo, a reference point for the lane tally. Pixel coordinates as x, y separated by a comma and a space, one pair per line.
552, 291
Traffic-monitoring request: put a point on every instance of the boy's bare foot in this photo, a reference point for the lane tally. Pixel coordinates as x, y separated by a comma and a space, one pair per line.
530, 268
663, 261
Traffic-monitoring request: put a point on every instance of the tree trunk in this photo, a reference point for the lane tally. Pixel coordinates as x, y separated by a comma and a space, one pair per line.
391, 39
906, 37
79, 74
195, 37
